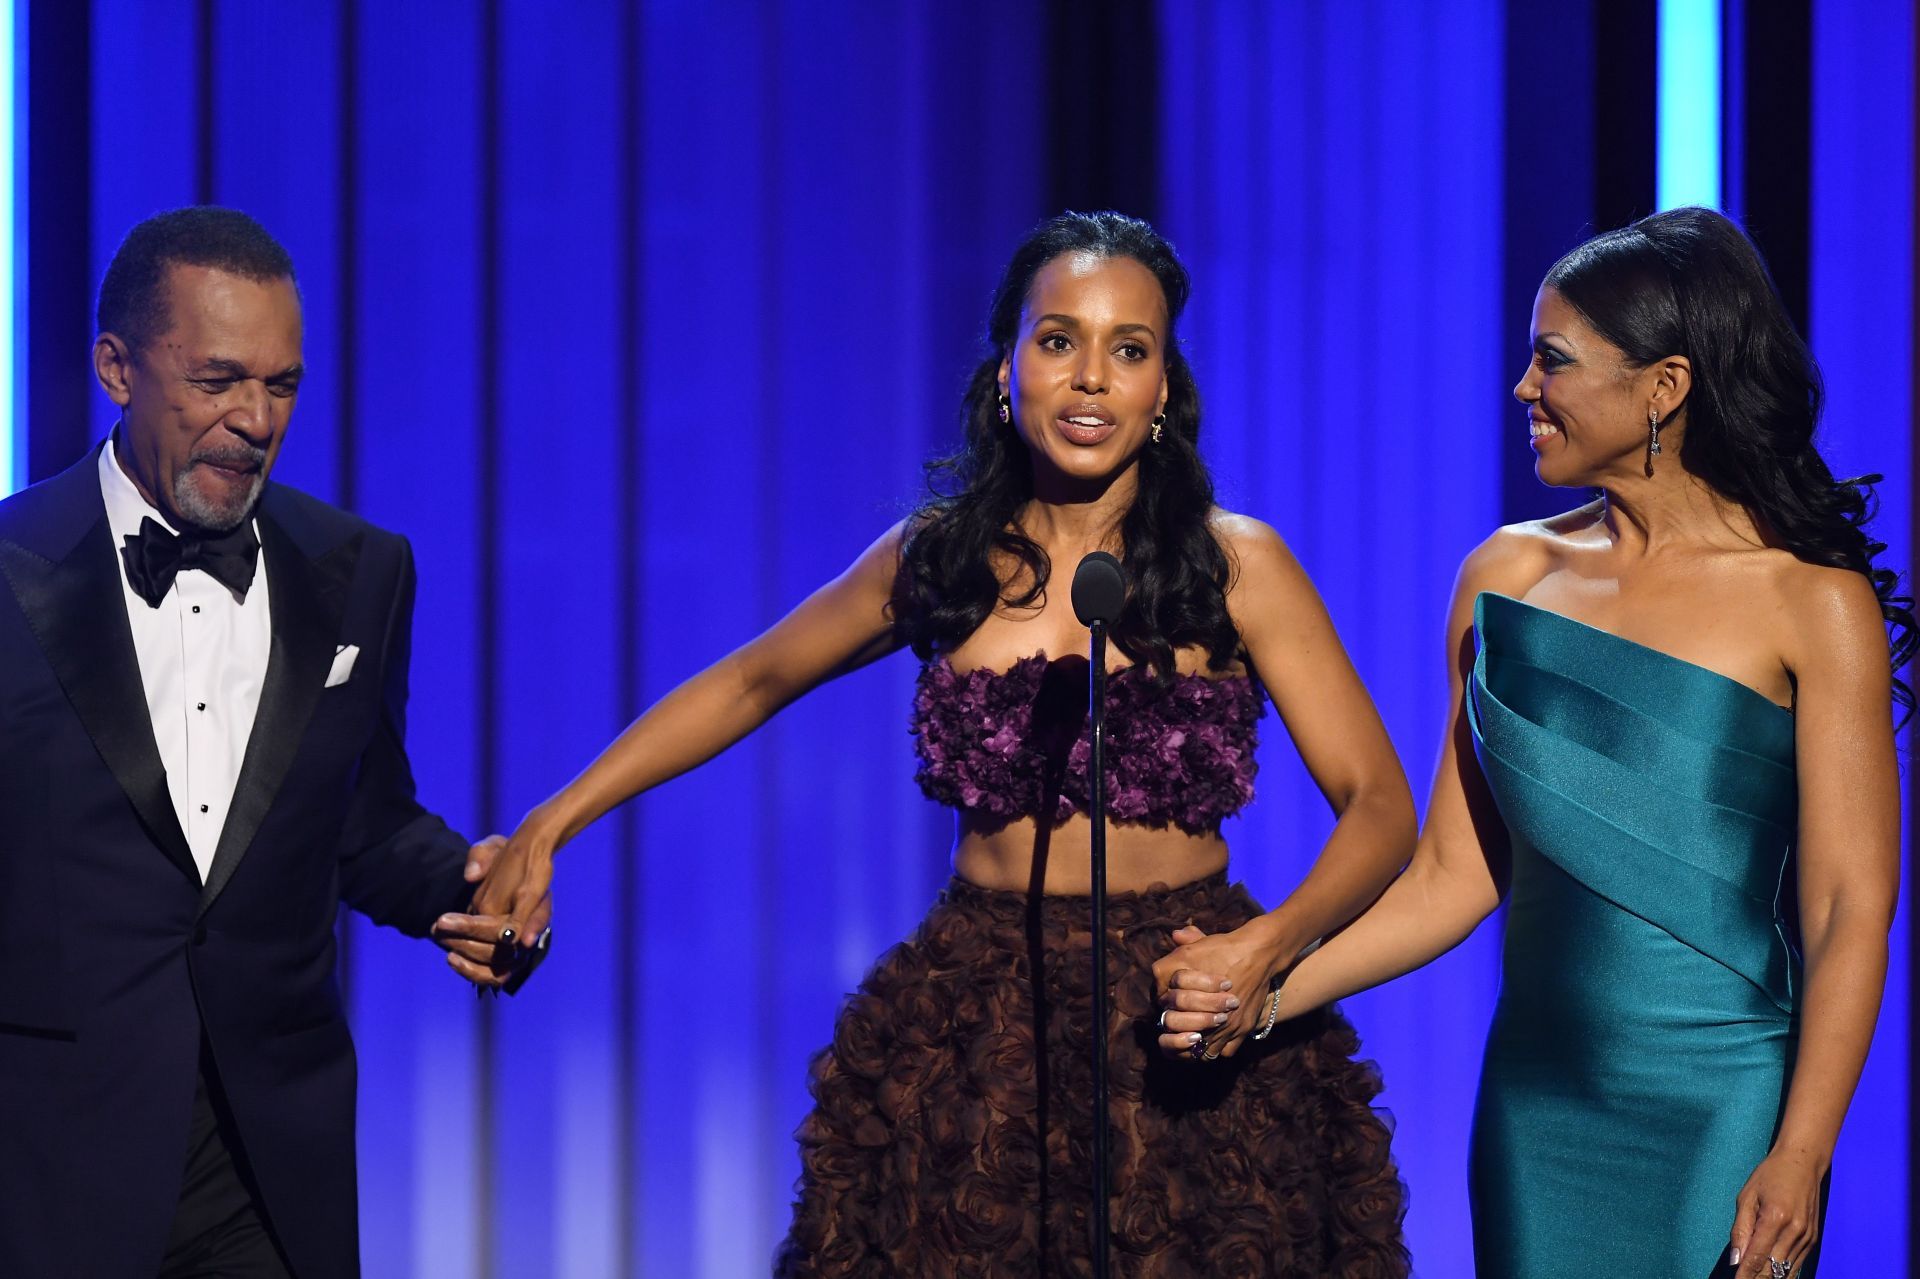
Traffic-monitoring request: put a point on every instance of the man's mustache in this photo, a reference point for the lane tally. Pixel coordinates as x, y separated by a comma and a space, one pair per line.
235, 457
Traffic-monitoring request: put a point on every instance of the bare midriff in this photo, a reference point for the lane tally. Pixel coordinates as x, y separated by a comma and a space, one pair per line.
1059, 859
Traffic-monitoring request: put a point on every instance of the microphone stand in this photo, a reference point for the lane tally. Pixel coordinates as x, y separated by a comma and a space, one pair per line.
1099, 594
1097, 813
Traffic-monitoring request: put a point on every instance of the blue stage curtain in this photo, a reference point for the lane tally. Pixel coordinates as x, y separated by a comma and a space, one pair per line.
1861, 327
1334, 180
830, 191
638, 319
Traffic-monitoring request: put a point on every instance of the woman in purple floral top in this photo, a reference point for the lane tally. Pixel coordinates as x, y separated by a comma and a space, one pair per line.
950, 1133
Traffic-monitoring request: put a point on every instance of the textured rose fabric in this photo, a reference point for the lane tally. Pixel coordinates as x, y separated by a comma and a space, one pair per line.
1014, 743
951, 1133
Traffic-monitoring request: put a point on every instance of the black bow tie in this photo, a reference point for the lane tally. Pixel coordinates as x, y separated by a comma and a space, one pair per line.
155, 557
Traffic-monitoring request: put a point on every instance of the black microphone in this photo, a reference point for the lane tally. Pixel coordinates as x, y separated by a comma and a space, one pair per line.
1099, 589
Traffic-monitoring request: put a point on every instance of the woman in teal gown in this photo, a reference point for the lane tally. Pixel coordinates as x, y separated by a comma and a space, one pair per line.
1672, 757
1642, 1041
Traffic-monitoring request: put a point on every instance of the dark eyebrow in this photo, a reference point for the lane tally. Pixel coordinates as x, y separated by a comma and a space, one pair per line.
221, 367
1067, 321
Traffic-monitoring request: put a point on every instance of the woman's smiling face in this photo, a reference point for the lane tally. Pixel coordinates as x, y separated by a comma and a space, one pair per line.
1586, 404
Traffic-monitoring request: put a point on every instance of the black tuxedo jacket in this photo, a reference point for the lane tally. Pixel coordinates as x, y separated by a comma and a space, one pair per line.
115, 958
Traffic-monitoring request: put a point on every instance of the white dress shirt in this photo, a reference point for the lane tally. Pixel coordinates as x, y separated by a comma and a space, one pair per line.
203, 661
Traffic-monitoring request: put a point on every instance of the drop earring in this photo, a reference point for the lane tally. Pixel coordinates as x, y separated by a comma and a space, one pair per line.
1006, 413
1653, 437
1155, 427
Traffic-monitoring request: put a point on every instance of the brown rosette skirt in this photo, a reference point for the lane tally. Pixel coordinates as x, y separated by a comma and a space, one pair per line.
950, 1133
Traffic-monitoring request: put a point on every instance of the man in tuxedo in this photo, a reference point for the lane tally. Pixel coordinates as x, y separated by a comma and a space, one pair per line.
203, 685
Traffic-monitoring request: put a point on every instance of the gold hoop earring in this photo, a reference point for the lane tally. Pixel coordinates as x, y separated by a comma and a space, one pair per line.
1006, 408
1155, 427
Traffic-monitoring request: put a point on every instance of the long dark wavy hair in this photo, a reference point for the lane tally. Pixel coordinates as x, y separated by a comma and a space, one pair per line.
1689, 282
967, 531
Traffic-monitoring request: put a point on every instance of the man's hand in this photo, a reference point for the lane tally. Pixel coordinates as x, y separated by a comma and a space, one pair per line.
480, 947
518, 878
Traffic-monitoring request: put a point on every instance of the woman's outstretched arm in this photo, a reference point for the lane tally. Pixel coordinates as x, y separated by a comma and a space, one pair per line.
840, 627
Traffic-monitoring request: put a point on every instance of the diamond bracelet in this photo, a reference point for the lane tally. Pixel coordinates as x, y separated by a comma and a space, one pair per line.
1273, 1014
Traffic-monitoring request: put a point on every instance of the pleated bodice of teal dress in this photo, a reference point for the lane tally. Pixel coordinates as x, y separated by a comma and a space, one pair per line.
1645, 1029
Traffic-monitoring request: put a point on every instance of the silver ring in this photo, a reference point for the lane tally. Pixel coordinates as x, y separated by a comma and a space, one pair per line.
1778, 1269
1163, 1020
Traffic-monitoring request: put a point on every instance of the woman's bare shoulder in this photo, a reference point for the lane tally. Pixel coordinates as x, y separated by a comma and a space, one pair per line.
1256, 553
1517, 556
1832, 614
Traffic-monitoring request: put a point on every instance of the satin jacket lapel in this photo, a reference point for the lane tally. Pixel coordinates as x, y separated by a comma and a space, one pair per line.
74, 604
308, 598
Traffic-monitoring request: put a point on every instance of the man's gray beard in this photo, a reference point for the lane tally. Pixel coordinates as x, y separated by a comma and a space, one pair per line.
210, 516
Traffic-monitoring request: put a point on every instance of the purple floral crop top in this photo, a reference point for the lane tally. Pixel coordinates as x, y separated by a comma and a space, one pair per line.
1014, 743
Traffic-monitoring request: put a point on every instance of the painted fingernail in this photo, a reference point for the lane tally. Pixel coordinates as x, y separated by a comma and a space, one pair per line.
1219, 1019
1232, 1004
1734, 1259
1226, 985
1195, 1037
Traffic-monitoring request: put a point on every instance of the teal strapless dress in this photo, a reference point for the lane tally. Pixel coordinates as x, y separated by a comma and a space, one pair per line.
1645, 1030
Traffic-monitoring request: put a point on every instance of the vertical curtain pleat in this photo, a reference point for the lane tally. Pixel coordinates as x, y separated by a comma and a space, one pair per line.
422, 1159
1860, 324
1334, 180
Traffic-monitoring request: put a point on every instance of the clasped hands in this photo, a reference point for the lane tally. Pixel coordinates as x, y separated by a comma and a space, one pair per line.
502, 935
1213, 988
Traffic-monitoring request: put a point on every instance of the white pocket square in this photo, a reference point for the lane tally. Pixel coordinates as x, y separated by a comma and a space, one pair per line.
343, 656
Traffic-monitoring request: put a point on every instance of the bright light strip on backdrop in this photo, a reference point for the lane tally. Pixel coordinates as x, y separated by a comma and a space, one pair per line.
1688, 104
10, 296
